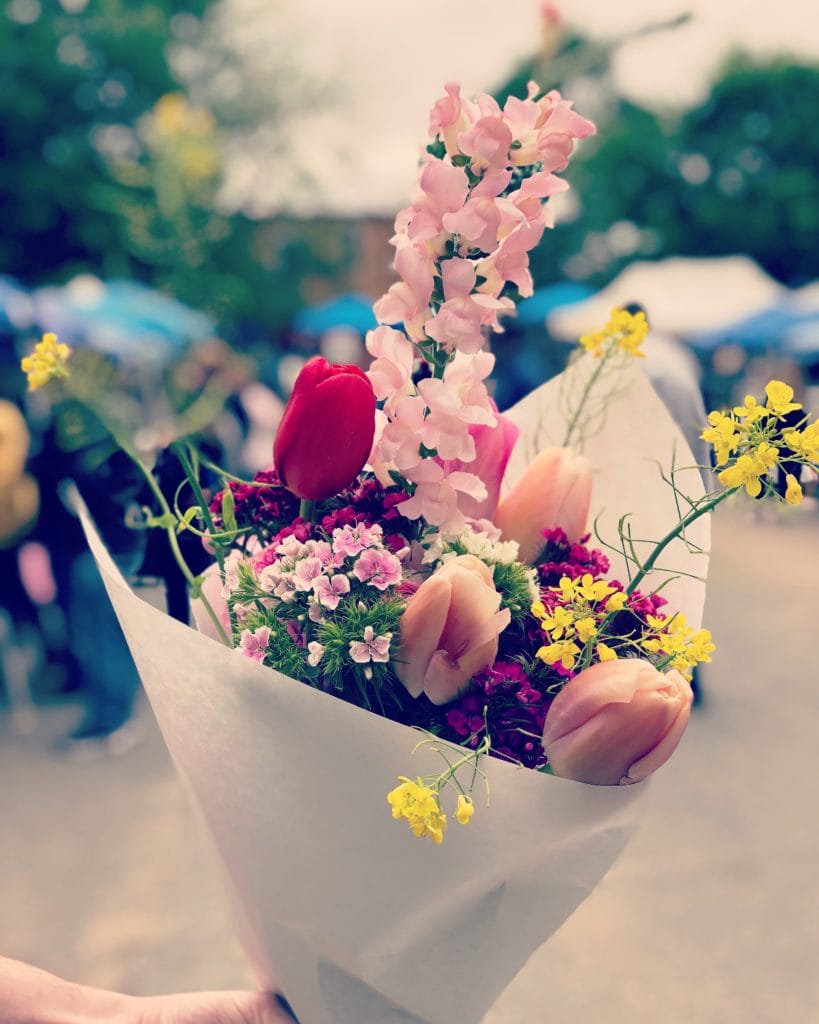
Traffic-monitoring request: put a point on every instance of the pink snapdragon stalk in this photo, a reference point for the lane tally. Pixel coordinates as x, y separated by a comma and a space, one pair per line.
477, 211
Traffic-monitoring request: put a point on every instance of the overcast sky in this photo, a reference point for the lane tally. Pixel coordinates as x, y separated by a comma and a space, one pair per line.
391, 58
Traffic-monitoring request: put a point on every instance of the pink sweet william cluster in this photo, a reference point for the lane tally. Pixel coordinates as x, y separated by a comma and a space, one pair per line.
461, 246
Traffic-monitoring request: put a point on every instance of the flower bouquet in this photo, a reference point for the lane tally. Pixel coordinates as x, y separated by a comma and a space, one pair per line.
429, 619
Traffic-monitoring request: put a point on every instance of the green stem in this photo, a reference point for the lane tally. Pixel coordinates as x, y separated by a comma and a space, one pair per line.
173, 540
307, 509
180, 450
583, 399
676, 531
673, 533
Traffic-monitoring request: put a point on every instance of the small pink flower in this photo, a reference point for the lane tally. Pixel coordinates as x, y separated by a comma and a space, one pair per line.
487, 142
373, 648
330, 589
315, 653
350, 541
253, 644
378, 568
307, 569
390, 372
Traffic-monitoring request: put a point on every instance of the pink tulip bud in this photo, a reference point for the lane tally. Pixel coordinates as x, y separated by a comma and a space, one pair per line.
555, 490
450, 629
493, 446
616, 722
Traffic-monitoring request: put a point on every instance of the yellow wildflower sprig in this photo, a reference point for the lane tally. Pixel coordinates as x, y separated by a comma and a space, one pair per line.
748, 442
678, 645
622, 336
625, 332
574, 625
751, 440
418, 801
48, 362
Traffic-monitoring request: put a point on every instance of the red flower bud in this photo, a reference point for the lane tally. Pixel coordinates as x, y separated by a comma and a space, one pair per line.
326, 432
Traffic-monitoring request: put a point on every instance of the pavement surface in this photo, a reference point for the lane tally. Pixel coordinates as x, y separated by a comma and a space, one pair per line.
711, 916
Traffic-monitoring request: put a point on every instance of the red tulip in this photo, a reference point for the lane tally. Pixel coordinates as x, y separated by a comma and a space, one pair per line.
616, 722
326, 431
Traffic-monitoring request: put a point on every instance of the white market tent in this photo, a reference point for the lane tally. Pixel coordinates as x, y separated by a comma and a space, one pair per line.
681, 295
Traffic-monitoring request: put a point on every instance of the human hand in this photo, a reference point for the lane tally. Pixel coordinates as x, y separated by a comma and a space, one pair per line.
213, 1008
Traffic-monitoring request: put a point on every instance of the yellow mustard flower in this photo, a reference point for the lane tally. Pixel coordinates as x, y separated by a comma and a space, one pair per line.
804, 442
793, 490
564, 651
780, 397
419, 806
464, 810
751, 410
722, 433
558, 623
586, 628
46, 363
765, 455
625, 331
745, 472
617, 602
606, 653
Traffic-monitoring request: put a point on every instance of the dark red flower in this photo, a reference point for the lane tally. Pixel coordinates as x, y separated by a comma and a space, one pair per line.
326, 432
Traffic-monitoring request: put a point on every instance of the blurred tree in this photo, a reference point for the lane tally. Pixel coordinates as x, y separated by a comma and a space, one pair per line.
748, 164
116, 121
736, 174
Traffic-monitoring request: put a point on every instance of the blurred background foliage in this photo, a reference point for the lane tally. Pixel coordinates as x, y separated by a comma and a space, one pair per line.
735, 174
116, 120
118, 123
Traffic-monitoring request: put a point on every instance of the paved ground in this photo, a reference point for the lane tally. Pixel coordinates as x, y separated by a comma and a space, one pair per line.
710, 917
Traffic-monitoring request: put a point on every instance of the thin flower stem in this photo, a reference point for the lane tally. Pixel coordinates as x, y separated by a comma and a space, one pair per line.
674, 532
307, 509
173, 540
583, 398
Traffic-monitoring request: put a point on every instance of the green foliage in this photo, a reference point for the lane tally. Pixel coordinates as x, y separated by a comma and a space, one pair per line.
112, 162
735, 174
374, 684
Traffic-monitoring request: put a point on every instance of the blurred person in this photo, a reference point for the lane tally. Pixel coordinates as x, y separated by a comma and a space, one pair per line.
20, 644
29, 995
675, 375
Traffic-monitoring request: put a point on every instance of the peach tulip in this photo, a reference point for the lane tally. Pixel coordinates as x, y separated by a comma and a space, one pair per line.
616, 722
555, 490
450, 629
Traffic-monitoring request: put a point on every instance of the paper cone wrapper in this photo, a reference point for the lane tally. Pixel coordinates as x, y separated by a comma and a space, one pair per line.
355, 919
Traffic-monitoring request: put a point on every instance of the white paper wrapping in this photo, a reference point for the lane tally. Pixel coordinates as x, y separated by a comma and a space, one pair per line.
631, 438
338, 904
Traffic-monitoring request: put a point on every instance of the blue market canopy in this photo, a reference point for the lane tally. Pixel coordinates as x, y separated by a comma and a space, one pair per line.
534, 310
122, 319
802, 341
761, 332
352, 311
16, 307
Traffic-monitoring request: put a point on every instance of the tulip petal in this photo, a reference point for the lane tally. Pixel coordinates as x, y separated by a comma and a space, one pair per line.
422, 624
